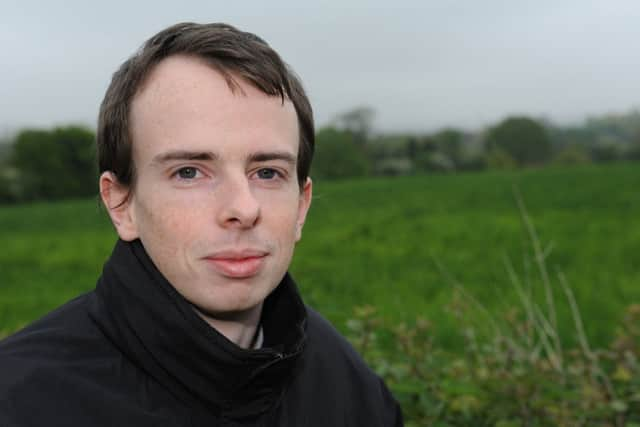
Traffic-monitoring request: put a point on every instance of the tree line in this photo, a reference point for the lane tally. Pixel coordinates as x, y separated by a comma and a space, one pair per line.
59, 163
53, 164
348, 147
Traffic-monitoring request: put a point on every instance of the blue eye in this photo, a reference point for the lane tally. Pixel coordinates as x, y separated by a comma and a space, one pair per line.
187, 172
267, 173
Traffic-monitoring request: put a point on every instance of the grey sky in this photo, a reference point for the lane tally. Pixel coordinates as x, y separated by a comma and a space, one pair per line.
420, 64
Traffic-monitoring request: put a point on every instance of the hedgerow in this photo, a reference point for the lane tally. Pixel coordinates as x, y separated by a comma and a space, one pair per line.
514, 369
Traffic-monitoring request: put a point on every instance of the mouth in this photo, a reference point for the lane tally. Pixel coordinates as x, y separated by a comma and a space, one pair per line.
237, 265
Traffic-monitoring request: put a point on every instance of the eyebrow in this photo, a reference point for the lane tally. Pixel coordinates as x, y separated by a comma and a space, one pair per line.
183, 155
262, 156
266, 156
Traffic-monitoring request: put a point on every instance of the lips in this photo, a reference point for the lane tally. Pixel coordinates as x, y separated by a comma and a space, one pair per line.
237, 264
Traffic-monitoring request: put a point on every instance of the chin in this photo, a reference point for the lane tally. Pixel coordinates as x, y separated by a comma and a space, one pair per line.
229, 304
227, 312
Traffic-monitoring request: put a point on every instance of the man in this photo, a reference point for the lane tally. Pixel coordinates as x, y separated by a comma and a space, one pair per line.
205, 140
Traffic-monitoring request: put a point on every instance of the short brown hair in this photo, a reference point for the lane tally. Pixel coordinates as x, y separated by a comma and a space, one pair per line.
231, 52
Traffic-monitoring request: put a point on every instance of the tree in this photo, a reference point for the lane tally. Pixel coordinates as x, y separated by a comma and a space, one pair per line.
433, 162
497, 158
358, 121
523, 139
572, 155
412, 148
605, 152
55, 164
338, 156
634, 152
449, 142
6, 193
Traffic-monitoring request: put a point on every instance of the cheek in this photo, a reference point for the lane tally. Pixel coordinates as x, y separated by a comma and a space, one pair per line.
281, 209
166, 220
286, 226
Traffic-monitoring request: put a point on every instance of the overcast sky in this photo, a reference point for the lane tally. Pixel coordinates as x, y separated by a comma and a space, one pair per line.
421, 65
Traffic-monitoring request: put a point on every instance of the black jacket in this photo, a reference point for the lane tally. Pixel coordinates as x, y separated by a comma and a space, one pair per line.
133, 352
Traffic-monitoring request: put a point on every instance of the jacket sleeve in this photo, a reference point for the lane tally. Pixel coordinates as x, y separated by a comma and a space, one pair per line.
392, 414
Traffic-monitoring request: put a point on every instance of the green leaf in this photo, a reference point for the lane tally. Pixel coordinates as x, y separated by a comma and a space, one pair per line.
619, 405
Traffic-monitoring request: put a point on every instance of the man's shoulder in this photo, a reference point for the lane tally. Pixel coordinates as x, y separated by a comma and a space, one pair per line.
322, 336
328, 348
70, 319
51, 343
62, 368
335, 384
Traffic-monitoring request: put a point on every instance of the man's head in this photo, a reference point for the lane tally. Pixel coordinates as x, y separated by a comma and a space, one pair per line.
230, 51
205, 141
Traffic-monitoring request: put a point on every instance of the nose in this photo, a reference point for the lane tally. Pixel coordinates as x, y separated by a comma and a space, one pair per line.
239, 208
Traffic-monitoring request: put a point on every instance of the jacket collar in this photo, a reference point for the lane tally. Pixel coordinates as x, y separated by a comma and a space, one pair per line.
156, 328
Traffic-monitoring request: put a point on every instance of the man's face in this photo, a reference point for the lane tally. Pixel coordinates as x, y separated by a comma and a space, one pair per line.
216, 202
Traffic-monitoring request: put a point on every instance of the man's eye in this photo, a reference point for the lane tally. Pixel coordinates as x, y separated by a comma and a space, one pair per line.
266, 173
187, 172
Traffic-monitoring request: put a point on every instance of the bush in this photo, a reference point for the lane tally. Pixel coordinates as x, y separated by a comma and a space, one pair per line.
6, 193
508, 379
434, 162
55, 164
634, 152
524, 139
514, 370
394, 166
572, 155
604, 153
500, 159
338, 156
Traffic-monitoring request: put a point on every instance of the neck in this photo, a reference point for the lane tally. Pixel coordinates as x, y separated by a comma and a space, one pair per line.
238, 327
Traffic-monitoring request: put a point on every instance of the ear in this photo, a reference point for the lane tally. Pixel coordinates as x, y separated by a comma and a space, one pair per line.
118, 203
303, 206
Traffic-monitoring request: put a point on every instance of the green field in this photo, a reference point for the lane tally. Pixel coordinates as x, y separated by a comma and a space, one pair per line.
380, 241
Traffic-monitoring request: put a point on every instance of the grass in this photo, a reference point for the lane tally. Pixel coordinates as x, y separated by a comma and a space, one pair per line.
396, 244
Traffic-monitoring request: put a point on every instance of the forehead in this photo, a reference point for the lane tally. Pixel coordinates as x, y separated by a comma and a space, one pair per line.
186, 103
